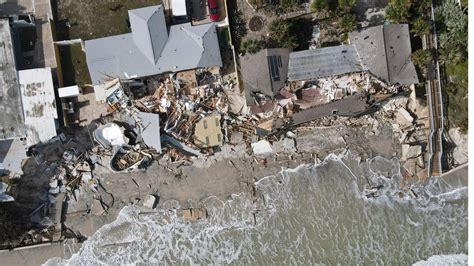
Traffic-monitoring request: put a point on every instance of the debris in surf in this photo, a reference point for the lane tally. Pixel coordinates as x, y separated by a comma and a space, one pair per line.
194, 214
373, 192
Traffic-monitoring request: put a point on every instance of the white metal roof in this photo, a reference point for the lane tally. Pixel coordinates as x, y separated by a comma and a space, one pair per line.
71, 91
178, 7
39, 105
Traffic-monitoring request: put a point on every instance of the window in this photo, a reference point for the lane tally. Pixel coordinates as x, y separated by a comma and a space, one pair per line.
204, 124
217, 122
207, 140
219, 138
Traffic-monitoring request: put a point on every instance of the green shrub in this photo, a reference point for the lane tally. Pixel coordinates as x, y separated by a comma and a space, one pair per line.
251, 46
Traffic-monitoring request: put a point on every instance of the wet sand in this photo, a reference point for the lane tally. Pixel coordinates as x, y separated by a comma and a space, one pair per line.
226, 173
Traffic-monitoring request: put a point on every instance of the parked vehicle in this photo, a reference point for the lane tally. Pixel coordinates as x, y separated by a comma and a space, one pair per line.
213, 10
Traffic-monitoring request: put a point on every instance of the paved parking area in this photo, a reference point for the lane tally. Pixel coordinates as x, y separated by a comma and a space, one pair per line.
200, 11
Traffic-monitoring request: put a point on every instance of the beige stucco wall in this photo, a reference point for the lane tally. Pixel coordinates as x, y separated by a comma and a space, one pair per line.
208, 132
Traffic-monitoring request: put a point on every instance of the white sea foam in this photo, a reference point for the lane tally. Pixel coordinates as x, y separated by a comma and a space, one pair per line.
454, 259
312, 214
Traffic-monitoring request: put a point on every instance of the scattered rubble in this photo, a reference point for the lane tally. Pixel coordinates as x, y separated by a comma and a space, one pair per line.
150, 201
194, 214
262, 147
3, 190
460, 140
194, 117
411, 132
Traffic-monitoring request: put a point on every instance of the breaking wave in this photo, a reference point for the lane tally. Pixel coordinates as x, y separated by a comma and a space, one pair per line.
311, 214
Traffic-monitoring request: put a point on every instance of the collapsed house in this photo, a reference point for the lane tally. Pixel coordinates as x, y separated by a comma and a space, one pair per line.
151, 49
264, 72
384, 51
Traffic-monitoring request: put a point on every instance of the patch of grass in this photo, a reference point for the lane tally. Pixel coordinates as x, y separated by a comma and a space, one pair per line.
457, 92
86, 20
74, 65
224, 37
95, 19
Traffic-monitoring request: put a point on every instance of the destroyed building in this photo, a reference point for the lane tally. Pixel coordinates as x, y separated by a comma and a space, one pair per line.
264, 72
151, 49
384, 51
208, 132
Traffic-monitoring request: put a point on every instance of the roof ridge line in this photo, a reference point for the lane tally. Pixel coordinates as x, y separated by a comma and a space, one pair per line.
197, 39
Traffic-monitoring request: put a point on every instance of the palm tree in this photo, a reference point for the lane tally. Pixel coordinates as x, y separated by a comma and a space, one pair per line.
398, 11
421, 27
347, 23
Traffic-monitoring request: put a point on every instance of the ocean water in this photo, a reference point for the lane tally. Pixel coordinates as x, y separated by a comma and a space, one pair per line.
308, 215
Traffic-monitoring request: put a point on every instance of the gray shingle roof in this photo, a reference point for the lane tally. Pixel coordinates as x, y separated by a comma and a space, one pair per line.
385, 51
149, 31
323, 62
187, 47
257, 74
151, 130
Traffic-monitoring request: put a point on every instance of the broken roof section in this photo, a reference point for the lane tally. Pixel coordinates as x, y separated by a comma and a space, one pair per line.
12, 154
39, 104
11, 119
186, 47
264, 72
385, 50
323, 62
150, 131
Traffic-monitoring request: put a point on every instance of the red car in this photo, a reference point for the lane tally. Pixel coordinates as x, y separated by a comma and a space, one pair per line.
213, 10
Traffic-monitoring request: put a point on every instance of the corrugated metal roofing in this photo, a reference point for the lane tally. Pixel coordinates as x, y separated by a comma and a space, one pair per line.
323, 62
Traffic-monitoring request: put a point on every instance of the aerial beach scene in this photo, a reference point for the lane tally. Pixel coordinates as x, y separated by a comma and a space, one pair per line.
290, 132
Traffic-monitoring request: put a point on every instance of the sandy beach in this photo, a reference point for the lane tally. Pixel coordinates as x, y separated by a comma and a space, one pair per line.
231, 171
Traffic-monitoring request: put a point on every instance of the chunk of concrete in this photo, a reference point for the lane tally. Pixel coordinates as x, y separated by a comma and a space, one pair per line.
237, 137
290, 135
404, 118
289, 144
262, 147
150, 201
409, 152
460, 152
410, 167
